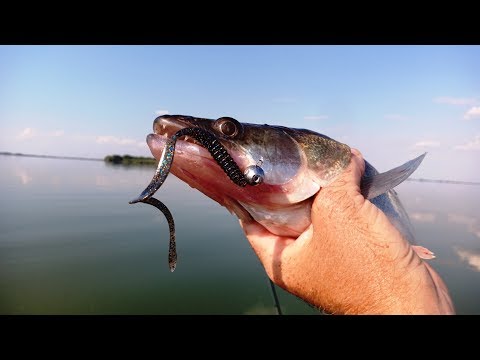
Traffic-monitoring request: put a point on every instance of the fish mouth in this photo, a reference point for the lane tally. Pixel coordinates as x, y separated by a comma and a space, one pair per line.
190, 157
190, 153
168, 125
165, 126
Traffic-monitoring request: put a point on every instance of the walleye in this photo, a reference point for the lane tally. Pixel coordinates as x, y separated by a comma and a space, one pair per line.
296, 163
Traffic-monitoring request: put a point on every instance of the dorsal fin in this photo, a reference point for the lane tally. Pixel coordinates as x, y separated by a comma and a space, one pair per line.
375, 185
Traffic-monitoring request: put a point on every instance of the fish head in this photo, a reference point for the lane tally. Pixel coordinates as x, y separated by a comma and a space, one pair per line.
296, 164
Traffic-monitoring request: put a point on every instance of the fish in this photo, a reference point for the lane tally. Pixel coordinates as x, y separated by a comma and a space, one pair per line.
296, 164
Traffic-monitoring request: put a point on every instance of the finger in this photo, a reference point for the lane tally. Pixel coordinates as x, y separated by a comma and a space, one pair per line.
423, 252
267, 246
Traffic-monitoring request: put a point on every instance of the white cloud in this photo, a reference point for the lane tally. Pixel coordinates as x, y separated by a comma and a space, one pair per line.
474, 112
424, 217
315, 117
27, 133
55, 141
426, 144
473, 258
395, 117
109, 139
455, 101
57, 133
161, 112
471, 145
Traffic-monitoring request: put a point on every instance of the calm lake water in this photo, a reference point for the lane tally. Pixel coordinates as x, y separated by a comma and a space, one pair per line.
71, 244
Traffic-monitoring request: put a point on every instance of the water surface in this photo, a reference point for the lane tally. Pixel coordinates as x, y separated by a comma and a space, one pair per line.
71, 244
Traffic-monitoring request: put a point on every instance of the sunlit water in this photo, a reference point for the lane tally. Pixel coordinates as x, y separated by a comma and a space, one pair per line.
71, 244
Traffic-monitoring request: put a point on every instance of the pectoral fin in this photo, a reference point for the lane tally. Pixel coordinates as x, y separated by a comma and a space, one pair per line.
373, 186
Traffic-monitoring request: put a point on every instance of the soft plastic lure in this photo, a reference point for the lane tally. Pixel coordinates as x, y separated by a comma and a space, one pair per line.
253, 175
172, 248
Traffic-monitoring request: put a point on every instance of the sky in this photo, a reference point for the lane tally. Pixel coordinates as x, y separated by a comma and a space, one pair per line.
392, 103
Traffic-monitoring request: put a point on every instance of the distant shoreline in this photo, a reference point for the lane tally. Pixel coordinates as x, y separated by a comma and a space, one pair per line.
50, 156
130, 160
445, 181
126, 160
152, 161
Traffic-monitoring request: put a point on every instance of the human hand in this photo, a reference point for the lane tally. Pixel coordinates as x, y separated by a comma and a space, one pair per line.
351, 259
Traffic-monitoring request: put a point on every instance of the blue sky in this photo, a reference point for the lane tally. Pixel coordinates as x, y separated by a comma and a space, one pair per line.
391, 102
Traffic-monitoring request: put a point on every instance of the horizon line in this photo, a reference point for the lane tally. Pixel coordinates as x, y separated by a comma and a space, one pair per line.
457, 182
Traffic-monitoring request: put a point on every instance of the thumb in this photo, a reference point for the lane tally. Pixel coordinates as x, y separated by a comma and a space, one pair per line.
353, 173
343, 192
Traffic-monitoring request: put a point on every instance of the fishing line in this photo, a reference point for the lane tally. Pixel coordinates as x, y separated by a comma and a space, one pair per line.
275, 297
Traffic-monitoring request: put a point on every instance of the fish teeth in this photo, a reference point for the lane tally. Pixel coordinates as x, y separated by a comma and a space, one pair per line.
191, 140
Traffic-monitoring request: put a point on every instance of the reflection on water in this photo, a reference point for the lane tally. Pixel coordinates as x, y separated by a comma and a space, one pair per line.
427, 217
472, 224
446, 220
471, 257
71, 244
23, 176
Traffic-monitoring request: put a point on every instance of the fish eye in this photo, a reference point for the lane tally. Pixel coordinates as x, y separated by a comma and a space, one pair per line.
228, 126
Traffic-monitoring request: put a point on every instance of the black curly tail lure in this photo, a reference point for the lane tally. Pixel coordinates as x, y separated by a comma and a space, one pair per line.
221, 156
